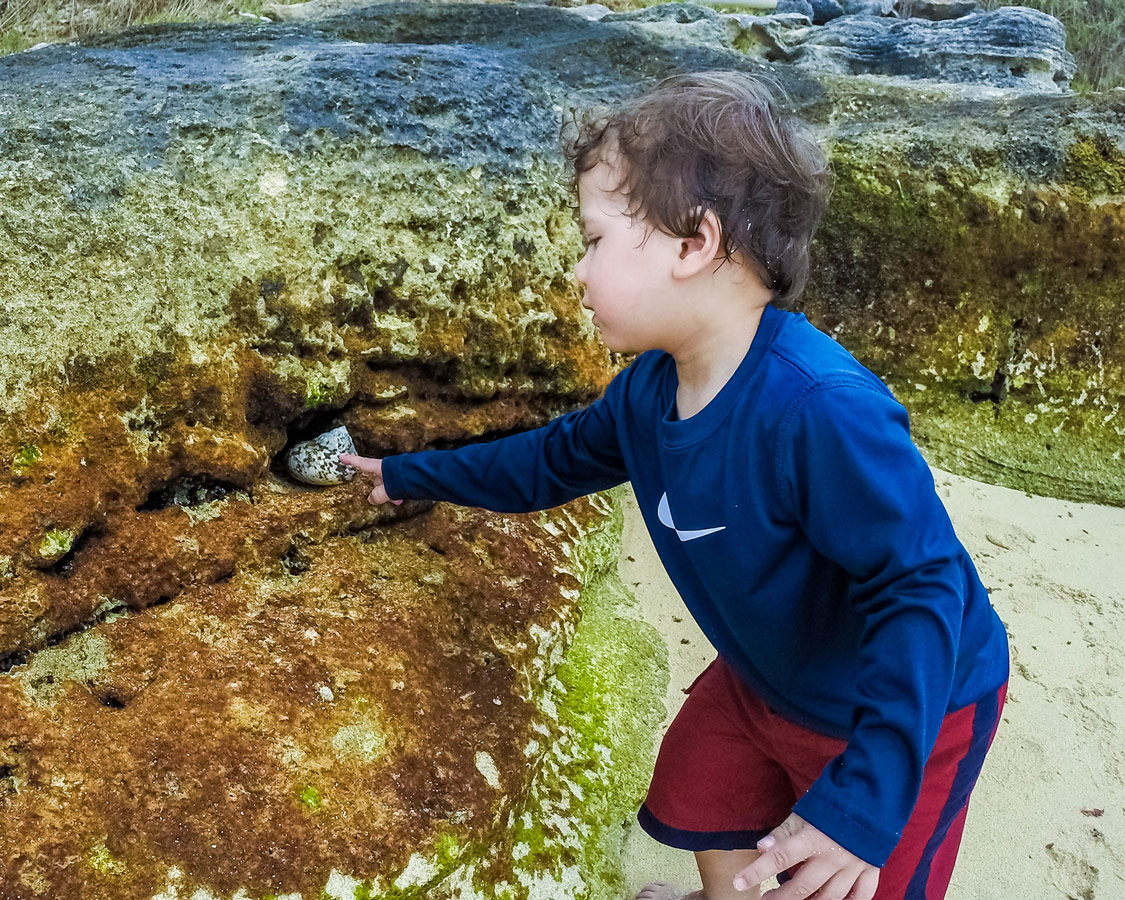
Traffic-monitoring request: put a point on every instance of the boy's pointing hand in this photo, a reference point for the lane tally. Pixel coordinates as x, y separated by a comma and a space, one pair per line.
827, 871
373, 467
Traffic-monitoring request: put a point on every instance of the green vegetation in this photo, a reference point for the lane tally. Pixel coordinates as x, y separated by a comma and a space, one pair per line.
56, 543
25, 23
317, 393
27, 456
1095, 34
310, 797
104, 862
1095, 165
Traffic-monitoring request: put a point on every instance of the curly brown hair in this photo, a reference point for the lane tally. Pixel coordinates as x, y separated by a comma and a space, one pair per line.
715, 141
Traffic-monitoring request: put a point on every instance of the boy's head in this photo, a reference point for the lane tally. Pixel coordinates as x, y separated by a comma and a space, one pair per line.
715, 141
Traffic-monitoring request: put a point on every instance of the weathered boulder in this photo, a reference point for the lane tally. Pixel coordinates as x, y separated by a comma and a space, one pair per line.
214, 681
800, 7
216, 242
1010, 47
973, 256
825, 11
417, 714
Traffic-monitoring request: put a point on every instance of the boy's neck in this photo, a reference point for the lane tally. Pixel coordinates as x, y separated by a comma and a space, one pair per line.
706, 361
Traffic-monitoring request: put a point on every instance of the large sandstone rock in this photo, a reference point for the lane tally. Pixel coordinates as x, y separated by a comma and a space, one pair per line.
419, 713
218, 241
217, 682
974, 256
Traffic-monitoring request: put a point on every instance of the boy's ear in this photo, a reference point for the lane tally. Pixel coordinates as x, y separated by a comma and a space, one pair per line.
701, 249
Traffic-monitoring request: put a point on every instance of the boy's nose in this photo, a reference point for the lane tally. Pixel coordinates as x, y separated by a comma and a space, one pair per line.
580, 270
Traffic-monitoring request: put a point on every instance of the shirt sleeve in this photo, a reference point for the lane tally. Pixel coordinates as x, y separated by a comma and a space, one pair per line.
576, 454
865, 498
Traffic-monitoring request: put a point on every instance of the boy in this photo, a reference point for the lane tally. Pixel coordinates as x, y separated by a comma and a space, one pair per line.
861, 669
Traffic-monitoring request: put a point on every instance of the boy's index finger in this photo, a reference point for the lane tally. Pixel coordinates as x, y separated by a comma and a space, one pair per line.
769, 864
363, 463
780, 856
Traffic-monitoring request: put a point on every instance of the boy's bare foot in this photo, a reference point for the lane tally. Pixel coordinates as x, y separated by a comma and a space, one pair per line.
660, 890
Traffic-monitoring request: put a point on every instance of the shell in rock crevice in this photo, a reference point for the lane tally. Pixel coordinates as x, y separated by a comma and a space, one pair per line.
317, 461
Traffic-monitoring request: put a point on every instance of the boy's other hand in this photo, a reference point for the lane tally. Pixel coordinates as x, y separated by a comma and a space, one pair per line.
373, 467
827, 871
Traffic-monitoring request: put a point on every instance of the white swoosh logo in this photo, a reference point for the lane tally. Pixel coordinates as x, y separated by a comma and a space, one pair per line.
665, 516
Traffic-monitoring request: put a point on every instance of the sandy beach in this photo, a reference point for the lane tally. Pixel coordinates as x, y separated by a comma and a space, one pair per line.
1047, 820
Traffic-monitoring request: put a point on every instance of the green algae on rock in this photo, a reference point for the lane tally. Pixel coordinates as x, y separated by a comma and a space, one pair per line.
973, 257
218, 242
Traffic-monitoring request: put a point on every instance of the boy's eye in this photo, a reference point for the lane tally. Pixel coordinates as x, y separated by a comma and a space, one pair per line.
589, 242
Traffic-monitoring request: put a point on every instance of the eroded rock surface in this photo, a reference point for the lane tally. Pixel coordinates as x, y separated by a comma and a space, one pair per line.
215, 681
216, 242
379, 713
1010, 47
973, 257
937, 9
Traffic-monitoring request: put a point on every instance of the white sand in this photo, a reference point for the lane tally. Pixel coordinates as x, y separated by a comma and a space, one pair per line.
1047, 820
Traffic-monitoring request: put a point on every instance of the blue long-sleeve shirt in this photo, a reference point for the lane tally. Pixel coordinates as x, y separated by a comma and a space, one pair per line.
802, 528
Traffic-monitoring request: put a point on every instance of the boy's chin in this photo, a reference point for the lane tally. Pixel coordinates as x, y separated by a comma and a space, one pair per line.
618, 344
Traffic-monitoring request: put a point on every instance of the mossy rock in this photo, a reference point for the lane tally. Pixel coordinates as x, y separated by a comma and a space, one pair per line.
418, 709
972, 256
218, 241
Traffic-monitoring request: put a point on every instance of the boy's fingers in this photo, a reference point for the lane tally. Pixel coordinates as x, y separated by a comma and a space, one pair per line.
754, 874
824, 882
379, 495
865, 885
781, 855
840, 885
363, 463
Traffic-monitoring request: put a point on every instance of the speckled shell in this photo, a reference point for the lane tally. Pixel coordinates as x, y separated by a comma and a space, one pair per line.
316, 461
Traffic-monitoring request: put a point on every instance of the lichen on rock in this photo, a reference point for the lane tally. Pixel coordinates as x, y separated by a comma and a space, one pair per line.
977, 268
258, 735
296, 694
218, 242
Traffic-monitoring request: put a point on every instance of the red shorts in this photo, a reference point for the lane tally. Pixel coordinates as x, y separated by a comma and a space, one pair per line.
730, 770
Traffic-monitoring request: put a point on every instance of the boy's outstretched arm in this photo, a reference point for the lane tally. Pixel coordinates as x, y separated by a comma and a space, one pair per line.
576, 454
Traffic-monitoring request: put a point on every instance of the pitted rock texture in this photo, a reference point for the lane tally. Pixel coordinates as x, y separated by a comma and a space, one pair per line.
1011, 47
375, 714
973, 257
216, 242
1013, 200
209, 255
250, 206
